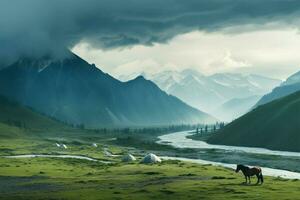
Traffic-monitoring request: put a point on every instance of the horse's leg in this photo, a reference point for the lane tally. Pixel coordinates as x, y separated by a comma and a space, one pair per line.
249, 179
261, 178
257, 175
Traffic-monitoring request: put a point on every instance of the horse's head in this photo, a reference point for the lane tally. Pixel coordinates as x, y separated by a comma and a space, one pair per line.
238, 168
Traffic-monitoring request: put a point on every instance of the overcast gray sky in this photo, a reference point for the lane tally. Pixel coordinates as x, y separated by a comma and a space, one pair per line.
273, 53
122, 36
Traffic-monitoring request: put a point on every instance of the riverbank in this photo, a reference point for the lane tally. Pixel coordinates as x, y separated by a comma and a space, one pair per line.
266, 171
201, 150
181, 140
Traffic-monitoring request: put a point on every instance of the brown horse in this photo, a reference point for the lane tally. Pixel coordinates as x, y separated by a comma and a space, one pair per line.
248, 172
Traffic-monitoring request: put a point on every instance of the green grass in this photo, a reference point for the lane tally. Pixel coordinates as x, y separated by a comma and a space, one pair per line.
8, 131
56, 178
42, 178
13, 114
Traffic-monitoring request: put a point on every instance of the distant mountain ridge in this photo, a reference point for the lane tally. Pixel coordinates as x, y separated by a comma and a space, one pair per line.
274, 125
74, 91
208, 93
291, 85
236, 107
293, 79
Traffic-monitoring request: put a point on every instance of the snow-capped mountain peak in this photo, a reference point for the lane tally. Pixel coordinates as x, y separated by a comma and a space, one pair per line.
295, 78
210, 92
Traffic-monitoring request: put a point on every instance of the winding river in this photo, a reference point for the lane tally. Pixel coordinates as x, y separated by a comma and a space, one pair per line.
180, 140
274, 163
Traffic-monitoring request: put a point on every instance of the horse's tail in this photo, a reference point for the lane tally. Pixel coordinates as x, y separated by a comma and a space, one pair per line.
261, 177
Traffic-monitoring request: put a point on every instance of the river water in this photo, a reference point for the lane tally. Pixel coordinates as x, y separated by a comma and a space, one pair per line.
275, 163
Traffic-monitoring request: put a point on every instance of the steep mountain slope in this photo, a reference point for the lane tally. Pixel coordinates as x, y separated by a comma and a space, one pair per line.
208, 93
76, 92
291, 85
235, 108
274, 125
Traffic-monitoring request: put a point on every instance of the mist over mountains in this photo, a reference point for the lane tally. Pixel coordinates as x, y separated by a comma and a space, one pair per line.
291, 85
209, 93
236, 107
74, 91
272, 123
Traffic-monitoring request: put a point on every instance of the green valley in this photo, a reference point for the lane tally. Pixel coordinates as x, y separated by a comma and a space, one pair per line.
70, 178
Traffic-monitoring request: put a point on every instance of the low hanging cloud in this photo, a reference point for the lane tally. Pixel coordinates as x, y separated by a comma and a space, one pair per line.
39, 27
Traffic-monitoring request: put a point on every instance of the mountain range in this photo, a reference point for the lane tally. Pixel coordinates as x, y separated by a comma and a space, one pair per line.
274, 125
77, 92
291, 85
236, 107
209, 93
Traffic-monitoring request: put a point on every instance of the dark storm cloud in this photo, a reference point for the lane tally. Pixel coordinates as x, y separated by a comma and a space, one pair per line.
36, 27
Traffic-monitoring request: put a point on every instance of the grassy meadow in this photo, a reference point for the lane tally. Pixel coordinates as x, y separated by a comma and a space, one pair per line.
57, 178
51, 178
23, 131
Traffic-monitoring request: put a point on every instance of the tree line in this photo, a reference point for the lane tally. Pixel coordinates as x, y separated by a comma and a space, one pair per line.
204, 129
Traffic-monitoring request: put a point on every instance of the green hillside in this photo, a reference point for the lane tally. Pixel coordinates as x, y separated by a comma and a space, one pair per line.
16, 119
275, 125
8, 131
